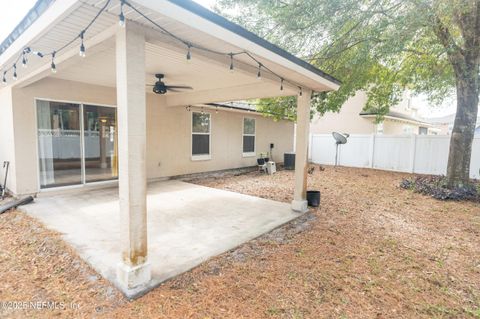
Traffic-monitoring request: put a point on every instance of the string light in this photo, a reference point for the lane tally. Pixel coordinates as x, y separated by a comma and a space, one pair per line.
82, 46
121, 17
24, 60
24, 54
189, 53
301, 91
39, 54
53, 66
4, 80
231, 63
15, 72
216, 110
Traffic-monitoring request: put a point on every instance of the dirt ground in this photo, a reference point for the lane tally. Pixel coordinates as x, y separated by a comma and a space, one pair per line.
373, 250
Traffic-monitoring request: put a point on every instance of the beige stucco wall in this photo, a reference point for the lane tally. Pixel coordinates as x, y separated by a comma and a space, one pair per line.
7, 152
345, 121
397, 128
168, 133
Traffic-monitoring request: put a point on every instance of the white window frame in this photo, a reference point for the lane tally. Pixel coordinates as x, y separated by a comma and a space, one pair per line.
203, 157
250, 154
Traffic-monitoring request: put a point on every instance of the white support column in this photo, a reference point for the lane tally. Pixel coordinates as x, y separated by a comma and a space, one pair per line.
299, 202
134, 270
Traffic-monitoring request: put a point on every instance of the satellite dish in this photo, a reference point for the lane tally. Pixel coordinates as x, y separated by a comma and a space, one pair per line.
339, 140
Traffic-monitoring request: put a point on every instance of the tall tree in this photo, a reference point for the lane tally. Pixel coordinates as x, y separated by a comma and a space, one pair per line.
382, 47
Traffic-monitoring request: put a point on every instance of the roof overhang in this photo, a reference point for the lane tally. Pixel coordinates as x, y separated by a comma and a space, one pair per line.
61, 21
397, 118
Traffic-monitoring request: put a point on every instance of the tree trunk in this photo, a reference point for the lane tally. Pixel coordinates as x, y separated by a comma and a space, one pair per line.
458, 168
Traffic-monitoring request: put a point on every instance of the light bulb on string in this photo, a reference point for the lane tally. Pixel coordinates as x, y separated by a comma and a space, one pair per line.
39, 54
82, 46
15, 72
300, 93
4, 79
259, 74
24, 60
121, 16
189, 53
53, 67
231, 63
281, 85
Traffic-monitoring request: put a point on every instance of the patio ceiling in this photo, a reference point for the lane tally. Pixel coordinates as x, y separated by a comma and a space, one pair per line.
208, 73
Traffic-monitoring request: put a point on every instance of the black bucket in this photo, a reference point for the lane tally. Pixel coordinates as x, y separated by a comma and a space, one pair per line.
313, 198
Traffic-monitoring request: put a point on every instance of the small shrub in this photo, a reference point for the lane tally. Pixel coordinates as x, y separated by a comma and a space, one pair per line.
436, 186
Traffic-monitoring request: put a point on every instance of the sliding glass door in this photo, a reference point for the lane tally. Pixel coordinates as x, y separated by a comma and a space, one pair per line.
76, 143
100, 136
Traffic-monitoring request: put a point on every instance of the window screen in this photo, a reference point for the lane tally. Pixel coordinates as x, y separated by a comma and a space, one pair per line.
248, 135
200, 133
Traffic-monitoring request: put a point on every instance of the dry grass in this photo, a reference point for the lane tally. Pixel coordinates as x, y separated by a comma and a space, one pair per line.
371, 250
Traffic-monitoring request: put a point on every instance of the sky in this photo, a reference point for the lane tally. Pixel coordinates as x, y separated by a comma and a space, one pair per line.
11, 15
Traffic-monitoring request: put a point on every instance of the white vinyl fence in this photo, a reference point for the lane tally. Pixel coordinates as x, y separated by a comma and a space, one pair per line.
423, 154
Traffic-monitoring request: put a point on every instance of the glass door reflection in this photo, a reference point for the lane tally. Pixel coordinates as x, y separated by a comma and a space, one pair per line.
100, 143
59, 144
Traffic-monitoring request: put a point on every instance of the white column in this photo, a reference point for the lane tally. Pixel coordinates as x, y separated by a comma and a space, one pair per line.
134, 270
299, 202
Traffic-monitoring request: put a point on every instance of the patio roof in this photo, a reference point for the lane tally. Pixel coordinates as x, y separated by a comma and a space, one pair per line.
47, 29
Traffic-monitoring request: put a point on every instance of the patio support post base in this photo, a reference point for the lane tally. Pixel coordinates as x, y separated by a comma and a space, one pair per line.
131, 277
300, 206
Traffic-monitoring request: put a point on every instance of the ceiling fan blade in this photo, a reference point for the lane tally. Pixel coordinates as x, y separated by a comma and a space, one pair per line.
179, 87
173, 90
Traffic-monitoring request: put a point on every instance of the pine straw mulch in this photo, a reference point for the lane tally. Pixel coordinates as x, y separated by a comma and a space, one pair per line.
372, 250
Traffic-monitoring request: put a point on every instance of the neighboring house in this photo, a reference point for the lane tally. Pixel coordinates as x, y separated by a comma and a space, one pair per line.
445, 123
78, 118
352, 119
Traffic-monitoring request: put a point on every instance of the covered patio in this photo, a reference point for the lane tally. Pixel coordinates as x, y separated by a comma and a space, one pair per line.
180, 39
187, 224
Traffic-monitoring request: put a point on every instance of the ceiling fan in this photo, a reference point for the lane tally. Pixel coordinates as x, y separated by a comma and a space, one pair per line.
160, 88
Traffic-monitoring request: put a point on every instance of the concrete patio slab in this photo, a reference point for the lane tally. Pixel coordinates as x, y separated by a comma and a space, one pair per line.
187, 224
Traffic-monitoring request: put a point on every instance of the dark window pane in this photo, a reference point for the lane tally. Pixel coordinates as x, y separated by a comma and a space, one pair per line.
200, 144
249, 144
422, 130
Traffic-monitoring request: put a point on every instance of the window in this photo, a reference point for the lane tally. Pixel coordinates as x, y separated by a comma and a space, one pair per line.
201, 136
248, 137
407, 129
422, 130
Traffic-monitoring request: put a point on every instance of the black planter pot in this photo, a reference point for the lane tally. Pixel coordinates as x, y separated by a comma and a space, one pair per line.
313, 198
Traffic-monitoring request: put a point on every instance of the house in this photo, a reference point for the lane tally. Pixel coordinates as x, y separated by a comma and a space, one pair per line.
352, 119
120, 92
445, 123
